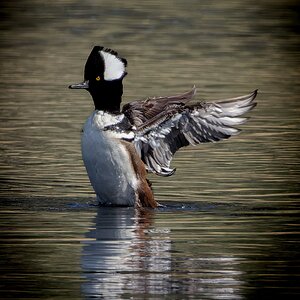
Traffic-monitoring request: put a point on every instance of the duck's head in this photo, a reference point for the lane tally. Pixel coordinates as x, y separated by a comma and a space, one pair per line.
103, 75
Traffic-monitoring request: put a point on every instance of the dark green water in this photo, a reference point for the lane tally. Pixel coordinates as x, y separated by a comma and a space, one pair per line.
230, 229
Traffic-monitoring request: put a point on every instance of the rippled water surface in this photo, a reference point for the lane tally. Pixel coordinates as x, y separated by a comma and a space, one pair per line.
230, 225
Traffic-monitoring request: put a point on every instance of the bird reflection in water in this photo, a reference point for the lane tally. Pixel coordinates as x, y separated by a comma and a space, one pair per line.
125, 253
121, 254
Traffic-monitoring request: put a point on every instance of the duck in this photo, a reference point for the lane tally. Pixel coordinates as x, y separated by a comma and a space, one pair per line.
120, 146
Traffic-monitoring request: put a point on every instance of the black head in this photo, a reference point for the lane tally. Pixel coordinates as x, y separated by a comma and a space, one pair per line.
103, 75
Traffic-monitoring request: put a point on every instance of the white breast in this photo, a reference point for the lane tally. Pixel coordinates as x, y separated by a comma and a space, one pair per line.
107, 162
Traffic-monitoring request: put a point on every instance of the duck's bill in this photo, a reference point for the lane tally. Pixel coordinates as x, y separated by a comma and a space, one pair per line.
81, 85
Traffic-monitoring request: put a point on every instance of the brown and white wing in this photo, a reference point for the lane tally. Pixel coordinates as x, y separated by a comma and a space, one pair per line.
141, 111
182, 126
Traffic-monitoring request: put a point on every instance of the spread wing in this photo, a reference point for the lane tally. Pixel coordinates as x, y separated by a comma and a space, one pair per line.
177, 126
141, 111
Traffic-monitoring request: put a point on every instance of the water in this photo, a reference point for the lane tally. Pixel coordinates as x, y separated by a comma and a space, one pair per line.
230, 228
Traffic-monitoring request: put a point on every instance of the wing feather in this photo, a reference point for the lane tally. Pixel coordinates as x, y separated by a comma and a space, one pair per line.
178, 126
141, 111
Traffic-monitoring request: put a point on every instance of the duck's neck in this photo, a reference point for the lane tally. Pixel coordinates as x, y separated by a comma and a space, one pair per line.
110, 104
109, 99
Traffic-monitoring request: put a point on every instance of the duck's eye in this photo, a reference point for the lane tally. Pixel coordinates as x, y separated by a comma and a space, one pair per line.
98, 78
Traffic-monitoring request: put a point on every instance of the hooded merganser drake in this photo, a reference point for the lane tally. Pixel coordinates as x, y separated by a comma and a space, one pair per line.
119, 146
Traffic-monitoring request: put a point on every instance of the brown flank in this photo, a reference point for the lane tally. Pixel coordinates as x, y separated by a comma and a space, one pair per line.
144, 194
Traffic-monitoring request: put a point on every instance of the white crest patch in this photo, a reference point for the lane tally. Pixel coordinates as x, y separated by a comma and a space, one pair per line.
114, 68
